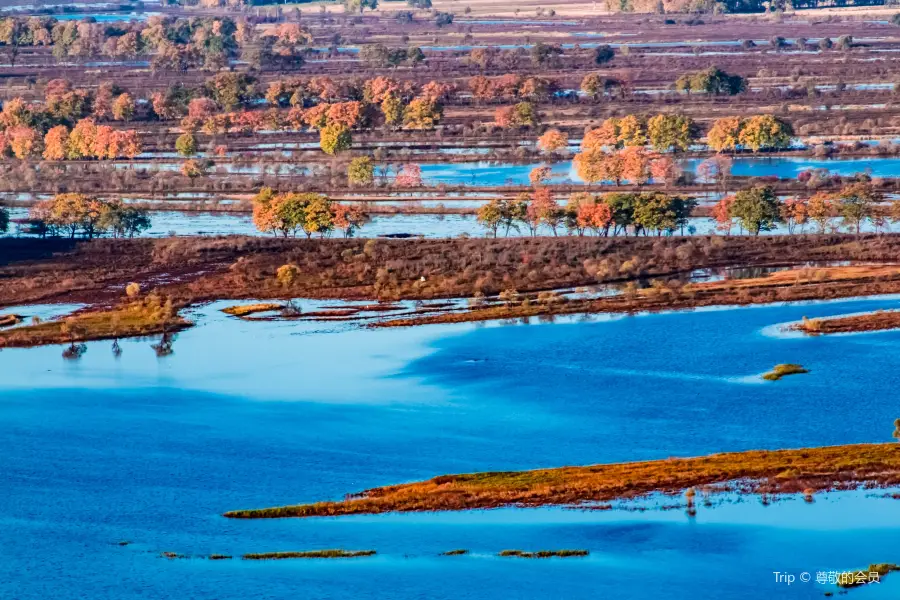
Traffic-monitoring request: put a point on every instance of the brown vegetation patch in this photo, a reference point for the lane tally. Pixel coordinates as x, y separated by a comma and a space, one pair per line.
877, 321
781, 471
10, 320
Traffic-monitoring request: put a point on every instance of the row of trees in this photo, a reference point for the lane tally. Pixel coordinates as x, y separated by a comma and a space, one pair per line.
618, 213
85, 140
288, 213
78, 214
759, 209
175, 43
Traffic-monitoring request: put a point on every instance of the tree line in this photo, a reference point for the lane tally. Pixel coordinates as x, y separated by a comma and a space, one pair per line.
289, 213
758, 209
73, 214
610, 214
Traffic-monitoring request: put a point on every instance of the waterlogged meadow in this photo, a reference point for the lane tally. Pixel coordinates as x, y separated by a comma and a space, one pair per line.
118, 466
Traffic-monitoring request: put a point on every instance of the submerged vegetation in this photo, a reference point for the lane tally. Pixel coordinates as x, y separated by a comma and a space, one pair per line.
544, 553
758, 471
337, 553
783, 370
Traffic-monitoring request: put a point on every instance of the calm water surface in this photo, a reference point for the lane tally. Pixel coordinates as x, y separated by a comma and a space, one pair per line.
152, 450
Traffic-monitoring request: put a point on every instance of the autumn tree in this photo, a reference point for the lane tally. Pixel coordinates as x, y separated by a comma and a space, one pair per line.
724, 135
632, 131
193, 169
24, 142
348, 218
794, 213
765, 132
410, 175
422, 113
552, 140
123, 108
821, 209
635, 164
122, 220
56, 142
490, 215
607, 135
721, 213
539, 175
857, 202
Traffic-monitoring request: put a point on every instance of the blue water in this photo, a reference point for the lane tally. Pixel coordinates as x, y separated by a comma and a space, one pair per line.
102, 450
494, 174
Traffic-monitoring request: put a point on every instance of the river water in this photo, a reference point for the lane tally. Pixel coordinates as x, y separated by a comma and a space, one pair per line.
148, 450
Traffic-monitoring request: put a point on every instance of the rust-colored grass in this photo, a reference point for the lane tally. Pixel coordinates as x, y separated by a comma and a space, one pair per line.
877, 321
780, 471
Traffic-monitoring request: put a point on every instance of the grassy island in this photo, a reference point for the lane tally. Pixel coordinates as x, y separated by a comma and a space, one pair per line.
149, 316
758, 471
783, 370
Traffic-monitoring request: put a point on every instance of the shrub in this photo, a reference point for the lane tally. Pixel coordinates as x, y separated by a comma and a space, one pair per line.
287, 274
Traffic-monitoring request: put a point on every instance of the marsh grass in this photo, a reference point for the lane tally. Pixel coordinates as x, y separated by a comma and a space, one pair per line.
150, 316
544, 553
783, 370
10, 320
849, 579
335, 553
249, 309
758, 471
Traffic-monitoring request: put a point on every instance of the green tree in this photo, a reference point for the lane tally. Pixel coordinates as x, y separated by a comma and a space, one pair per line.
757, 209
622, 208
231, 90
186, 144
670, 132
711, 81
491, 215
603, 54
318, 217
361, 171
335, 138
4, 220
